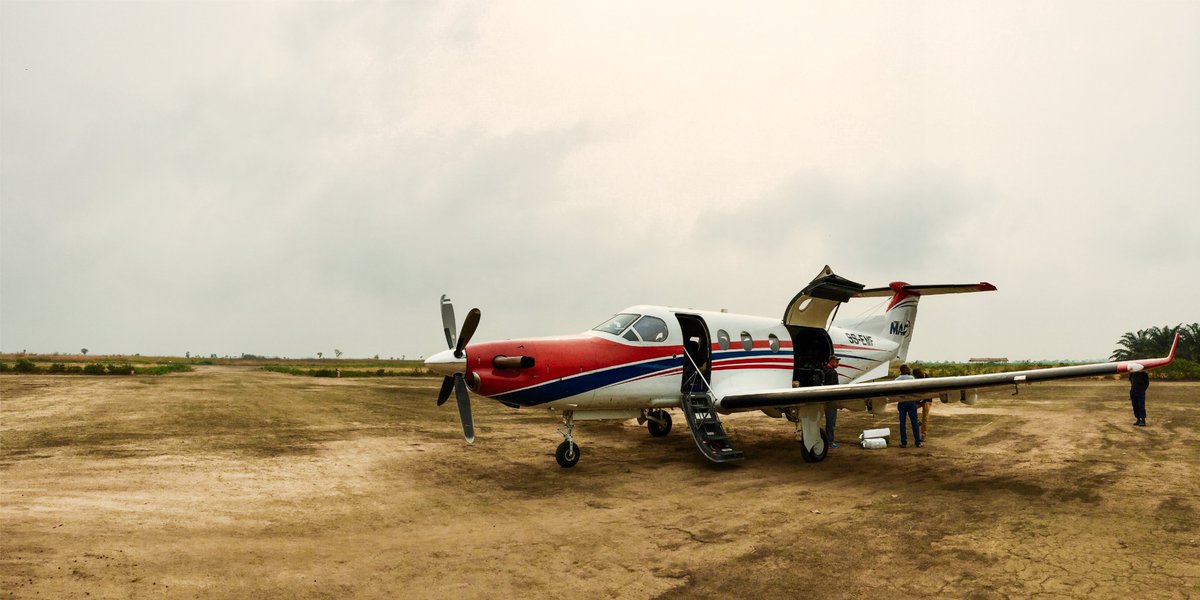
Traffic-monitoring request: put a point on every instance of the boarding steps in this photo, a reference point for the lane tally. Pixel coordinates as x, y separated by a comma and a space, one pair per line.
706, 426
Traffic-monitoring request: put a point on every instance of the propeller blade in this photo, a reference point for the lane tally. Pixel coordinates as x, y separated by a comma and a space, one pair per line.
444, 394
464, 408
448, 321
468, 330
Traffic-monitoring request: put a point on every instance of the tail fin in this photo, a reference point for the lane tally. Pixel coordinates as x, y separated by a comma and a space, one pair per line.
900, 318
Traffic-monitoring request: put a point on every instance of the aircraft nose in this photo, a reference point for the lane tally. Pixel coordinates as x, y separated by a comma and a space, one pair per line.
446, 364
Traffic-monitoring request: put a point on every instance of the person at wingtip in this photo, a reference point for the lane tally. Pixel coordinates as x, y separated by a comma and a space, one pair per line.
908, 409
1139, 381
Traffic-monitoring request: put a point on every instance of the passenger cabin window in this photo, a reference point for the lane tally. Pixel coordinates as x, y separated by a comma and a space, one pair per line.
723, 339
774, 342
747, 342
651, 329
617, 324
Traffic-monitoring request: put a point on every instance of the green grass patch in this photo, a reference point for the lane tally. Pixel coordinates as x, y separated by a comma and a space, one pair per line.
28, 367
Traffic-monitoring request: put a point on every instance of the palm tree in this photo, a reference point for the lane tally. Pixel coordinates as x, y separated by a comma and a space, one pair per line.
1145, 343
1189, 344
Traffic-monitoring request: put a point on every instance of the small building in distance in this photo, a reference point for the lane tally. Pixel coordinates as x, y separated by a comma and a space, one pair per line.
987, 360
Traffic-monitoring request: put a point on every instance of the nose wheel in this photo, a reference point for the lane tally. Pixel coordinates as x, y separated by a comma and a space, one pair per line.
567, 453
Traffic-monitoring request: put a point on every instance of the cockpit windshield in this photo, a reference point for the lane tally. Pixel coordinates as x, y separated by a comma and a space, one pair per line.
645, 328
617, 324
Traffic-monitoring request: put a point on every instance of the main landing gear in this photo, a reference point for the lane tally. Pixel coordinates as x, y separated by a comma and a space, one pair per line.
658, 422
567, 453
819, 452
814, 442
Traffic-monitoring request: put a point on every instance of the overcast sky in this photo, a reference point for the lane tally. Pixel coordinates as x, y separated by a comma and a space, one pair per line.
290, 178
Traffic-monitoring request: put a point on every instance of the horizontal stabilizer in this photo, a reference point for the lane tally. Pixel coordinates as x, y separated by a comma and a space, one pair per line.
926, 290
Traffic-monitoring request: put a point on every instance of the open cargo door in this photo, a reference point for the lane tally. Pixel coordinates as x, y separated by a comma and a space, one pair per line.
815, 305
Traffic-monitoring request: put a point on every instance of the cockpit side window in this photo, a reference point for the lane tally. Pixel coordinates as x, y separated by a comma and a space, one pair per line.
651, 329
617, 324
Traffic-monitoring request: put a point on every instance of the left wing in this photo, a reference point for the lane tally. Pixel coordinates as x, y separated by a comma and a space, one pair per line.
915, 389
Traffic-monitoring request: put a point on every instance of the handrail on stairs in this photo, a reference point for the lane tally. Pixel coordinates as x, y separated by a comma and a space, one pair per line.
697, 373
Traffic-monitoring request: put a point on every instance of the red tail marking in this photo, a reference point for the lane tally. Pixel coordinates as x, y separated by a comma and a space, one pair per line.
899, 293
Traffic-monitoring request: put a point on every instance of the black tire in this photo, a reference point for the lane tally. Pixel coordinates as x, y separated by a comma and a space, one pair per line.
567, 454
656, 429
820, 454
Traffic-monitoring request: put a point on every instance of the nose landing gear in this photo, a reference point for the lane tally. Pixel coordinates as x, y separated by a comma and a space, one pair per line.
567, 453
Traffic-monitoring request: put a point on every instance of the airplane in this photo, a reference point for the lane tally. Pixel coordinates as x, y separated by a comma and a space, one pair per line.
647, 360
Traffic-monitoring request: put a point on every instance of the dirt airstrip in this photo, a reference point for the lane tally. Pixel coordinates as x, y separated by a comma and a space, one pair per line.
235, 482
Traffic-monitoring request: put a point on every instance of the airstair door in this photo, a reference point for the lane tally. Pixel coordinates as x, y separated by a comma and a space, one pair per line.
698, 351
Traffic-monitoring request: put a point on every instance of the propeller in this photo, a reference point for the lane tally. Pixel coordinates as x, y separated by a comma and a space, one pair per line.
458, 343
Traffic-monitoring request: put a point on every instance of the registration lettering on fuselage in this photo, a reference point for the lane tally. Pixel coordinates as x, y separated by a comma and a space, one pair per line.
860, 339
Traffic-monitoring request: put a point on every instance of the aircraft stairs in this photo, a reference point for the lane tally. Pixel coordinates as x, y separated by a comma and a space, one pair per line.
706, 426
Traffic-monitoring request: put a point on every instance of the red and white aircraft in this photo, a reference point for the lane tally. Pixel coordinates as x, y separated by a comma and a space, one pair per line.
646, 360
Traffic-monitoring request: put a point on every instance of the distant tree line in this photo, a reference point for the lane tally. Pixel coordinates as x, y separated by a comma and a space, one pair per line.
1156, 342
29, 367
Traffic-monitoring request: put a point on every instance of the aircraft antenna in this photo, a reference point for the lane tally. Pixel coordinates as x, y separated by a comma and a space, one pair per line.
867, 313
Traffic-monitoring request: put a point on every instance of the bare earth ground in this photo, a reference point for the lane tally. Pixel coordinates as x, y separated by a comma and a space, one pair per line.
235, 482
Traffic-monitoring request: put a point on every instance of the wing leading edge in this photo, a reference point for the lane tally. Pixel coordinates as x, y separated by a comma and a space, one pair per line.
914, 389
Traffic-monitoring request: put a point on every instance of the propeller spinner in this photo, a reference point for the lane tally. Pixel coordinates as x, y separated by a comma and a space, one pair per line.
452, 363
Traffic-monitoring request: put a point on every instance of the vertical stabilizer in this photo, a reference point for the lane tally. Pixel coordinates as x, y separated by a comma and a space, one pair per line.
900, 318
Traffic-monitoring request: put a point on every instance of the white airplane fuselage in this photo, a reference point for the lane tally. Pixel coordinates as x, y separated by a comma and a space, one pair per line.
604, 370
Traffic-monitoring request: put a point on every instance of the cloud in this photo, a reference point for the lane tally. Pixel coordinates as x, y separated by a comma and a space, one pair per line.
285, 178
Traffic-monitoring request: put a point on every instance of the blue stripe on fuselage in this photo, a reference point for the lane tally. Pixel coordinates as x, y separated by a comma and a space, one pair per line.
594, 380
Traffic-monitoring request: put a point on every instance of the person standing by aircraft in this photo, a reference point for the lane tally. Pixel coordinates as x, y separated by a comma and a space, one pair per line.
829, 376
1139, 381
926, 404
908, 409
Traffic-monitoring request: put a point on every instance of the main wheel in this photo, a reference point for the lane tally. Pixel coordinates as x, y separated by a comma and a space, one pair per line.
819, 453
659, 429
567, 454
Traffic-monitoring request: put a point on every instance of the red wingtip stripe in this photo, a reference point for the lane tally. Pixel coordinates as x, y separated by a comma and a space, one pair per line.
1154, 363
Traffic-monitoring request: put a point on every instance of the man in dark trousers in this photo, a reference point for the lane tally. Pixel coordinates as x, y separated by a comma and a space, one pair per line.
1138, 382
829, 376
908, 409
